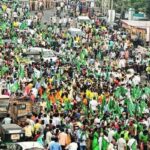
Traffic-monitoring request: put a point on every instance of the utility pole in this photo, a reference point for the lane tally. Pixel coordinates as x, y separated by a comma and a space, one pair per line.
102, 6
111, 8
112, 4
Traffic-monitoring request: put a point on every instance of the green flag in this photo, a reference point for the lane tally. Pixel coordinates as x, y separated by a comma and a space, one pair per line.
147, 90
85, 109
136, 92
14, 87
123, 91
117, 109
3, 27
3, 70
134, 146
33, 42
111, 104
44, 96
78, 66
117, 93
99, 55
103, 103
14, 40
48, 104
120, 91
143, 105
82, 55
108, 73
15, 63
1, 42
131, 107
68, 105
105, 144
21, 72
23, 26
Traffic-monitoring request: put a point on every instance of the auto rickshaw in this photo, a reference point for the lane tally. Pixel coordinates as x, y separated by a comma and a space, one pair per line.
19, 108
10, 133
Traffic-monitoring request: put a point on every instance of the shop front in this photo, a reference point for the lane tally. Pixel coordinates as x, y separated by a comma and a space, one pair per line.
36, 4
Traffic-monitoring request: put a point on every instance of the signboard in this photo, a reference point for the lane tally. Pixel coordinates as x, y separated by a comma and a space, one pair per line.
111, 16
15, 136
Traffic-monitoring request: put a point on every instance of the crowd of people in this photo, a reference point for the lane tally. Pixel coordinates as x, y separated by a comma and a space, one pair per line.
95, 96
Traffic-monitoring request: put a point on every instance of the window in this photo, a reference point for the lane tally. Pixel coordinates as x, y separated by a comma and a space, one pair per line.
21, 106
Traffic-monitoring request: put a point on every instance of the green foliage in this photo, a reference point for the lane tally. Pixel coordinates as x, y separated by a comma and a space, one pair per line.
148, 8
138, 5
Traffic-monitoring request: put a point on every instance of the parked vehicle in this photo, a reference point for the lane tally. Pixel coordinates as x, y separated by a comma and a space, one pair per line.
82, 19
4, 105
11, 133
75, 32
36, 53
28, 146
18, 108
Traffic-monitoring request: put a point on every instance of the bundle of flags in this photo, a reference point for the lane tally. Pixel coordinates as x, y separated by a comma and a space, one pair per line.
3, 70
48, 102
15, 87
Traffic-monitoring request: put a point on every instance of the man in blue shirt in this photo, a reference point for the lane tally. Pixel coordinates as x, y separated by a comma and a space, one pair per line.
54, 145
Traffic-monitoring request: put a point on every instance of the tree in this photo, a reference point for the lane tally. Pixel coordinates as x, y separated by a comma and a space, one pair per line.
139, 5
148, 9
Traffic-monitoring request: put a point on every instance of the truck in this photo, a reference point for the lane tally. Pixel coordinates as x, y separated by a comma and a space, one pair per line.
17, 107
4, 106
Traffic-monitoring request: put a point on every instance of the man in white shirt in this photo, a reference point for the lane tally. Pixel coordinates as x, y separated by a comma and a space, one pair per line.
136, 79
82, 140
121, 143
30, 121
46, 119
110, 135
48, 137
73, 145
93, 104
100, 141
7, 120
56, 120
111, 146
122, 63
35, 92
15, 14
132, 143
